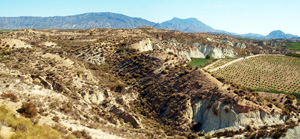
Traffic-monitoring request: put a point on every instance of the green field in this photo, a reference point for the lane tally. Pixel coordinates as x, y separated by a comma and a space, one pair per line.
293, 55
268, 72
200, 62
294, 46
291, 45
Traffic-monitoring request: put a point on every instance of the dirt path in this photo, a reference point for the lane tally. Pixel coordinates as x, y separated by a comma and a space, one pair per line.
211, 64
237, 60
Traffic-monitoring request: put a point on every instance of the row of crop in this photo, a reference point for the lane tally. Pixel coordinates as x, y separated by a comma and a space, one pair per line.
267, 72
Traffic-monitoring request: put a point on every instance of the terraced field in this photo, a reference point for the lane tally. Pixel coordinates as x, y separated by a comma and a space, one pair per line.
267, 72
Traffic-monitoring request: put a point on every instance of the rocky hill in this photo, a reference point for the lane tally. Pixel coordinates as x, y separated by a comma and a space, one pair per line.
131, 83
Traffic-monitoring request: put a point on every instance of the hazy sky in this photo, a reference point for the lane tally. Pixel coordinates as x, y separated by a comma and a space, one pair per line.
240, 16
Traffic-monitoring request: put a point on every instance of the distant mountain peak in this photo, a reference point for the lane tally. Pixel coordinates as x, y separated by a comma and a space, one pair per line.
278, 31
278, 34
191, 18
176, 18
185, 25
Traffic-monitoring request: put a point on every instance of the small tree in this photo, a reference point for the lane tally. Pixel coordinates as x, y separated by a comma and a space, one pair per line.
207, 57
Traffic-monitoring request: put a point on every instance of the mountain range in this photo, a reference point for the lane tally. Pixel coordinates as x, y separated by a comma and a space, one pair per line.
81, 21
114, 20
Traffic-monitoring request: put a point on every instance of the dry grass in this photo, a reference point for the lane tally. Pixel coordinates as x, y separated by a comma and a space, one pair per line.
25, 129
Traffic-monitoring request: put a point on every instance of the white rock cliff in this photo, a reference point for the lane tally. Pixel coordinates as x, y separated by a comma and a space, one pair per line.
230, 118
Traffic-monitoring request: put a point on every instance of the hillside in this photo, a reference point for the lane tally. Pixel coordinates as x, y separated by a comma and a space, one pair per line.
132, 83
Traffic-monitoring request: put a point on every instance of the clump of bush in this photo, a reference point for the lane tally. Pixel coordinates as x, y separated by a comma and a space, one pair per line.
55, 118
120, 50
226, 108
216, 109
207, 57
82, 134
28, 110
11, 96
227, 133
123, 44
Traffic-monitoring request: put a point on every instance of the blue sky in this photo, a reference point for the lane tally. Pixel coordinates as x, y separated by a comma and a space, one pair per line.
240, 16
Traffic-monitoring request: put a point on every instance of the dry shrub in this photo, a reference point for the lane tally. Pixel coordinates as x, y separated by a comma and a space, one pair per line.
11, 96
209, 106
60, 128
28, 110
94, 125
216, 109
270, 105
55, 118
81, 134
226, 108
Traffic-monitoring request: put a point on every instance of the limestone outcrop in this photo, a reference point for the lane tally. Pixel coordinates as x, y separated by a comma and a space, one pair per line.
144, 45
216, 52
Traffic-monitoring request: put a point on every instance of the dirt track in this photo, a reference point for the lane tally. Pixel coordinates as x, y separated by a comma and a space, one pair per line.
229, 63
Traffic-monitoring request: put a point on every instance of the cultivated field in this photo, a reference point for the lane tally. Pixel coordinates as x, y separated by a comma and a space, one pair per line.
267, 72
